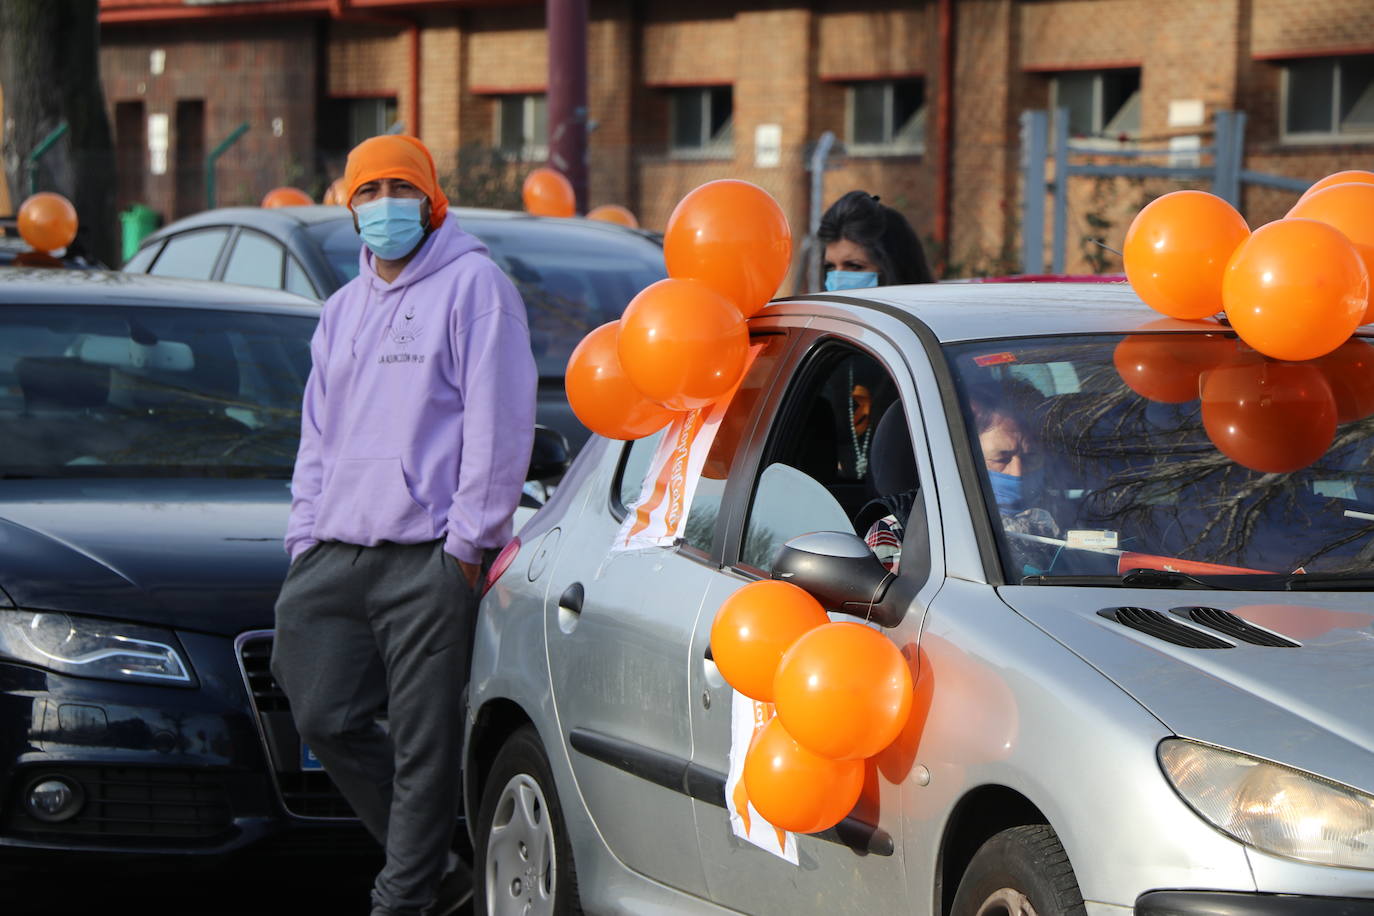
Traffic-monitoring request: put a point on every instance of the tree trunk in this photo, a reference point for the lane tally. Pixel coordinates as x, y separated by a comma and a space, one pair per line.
50, 73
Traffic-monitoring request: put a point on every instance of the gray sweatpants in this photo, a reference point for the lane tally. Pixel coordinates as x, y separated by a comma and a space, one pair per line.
364, 632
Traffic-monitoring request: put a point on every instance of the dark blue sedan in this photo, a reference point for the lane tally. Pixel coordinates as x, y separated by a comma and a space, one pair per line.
149, 428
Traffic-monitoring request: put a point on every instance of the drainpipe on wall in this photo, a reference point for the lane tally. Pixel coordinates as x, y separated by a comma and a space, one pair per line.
944, 131
339, 11
567, 95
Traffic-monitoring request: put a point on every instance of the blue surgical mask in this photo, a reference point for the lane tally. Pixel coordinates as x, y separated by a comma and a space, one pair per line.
837, 280
1006, 489
391, 226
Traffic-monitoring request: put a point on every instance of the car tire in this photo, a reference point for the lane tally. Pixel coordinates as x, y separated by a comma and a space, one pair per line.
524, 859
1022, 871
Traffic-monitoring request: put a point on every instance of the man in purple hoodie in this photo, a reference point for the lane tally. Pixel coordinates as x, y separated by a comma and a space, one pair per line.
416, 431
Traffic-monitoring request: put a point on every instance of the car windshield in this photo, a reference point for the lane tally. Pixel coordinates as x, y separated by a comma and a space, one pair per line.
130, 391
573, 277
1188, 454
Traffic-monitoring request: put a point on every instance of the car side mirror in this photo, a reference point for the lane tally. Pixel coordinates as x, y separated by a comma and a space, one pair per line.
842, 574
549, 459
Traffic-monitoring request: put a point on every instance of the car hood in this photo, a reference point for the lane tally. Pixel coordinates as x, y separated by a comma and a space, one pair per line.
1309, 705
190, 553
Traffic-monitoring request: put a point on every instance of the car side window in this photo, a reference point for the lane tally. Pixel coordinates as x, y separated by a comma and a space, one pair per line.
191, 255
733, 430
839, 443
639, 453
297, 281
256, 260
138, 264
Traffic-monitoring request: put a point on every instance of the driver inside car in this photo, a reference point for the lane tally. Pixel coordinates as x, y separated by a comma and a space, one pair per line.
1014, 464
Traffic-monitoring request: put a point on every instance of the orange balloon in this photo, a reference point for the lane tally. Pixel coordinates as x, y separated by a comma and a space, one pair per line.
334, 194
1176, 252
614, 213
1168, 367
844, 691
754, 627
47, 221
682, 344
1269, 416
1349, 370
1356, 176
896, 760
549, 193
1349, 208
732, 236
1296, 289
286, 197
600, 394
795, 789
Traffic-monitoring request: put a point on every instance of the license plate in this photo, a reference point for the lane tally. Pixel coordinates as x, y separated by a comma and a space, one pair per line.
308, 759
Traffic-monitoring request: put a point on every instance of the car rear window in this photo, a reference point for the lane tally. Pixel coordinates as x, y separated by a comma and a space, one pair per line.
120, 391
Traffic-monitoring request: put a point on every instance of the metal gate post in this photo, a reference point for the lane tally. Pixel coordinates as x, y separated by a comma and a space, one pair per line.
1034, 131
1061, 187
812, 264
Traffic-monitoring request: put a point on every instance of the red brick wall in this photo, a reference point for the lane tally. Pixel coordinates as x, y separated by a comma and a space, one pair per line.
1288, 26
244, 72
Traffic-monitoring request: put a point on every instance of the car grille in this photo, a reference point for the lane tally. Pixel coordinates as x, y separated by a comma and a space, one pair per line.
304, 793
131, 804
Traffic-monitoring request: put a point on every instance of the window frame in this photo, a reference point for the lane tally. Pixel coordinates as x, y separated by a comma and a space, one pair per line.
721, 145
746, 455
216, 266
1333, 136
528, 152
228, 256
888, 146
1101, 117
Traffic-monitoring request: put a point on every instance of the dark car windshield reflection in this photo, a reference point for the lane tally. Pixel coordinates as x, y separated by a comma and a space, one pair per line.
1184, 453
128, 391
573, 277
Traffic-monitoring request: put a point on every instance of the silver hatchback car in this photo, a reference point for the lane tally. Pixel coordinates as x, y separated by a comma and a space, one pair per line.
1128, 561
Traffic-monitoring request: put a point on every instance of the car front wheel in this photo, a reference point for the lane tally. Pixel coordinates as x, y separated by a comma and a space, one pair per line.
1022, 871
524, 859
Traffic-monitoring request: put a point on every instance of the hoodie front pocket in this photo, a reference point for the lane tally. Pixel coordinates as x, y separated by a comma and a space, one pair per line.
367, 501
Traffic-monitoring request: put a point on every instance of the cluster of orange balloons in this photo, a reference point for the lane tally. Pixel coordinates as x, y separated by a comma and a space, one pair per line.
1294, 289
682, 342
286, 197
843, 694
1269, 415
47, 221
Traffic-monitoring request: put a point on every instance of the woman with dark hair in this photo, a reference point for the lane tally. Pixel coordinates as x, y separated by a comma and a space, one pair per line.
867, 243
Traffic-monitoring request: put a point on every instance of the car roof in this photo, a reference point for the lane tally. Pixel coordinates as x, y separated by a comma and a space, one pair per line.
282, 219
957, 312
37, 286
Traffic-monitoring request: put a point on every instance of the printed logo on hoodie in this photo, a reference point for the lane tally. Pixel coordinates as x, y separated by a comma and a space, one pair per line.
403, 333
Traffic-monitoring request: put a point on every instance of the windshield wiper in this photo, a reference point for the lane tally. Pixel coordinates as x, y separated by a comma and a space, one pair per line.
1168, 578
1140, 578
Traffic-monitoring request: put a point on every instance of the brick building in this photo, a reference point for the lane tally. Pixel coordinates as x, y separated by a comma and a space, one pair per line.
924, 96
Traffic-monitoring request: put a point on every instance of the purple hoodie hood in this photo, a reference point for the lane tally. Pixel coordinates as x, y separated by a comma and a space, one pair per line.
418, 416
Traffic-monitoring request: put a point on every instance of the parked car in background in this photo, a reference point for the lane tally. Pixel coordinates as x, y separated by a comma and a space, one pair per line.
574, 274
1141, 666
150, 428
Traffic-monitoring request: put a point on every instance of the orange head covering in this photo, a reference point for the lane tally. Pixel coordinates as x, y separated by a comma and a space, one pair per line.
396, 156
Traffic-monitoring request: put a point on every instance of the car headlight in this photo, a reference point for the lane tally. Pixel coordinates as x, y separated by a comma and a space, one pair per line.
90, 647
1271, 807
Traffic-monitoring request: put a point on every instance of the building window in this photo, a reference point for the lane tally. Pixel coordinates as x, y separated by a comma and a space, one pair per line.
887, 116
703, 121
369, 118
1328, 98
522, 126
1102, 104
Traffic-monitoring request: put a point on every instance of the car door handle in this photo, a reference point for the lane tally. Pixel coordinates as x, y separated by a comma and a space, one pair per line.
572, 599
